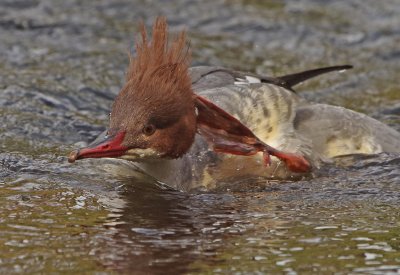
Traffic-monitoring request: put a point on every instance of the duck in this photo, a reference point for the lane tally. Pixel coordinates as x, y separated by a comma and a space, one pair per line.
194, 127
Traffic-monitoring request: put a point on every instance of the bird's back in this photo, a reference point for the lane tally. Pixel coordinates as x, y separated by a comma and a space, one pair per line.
280, 118
336, 131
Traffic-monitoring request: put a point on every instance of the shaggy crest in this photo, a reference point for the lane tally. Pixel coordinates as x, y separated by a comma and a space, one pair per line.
158, 62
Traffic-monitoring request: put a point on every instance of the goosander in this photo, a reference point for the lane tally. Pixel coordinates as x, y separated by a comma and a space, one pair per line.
193, 127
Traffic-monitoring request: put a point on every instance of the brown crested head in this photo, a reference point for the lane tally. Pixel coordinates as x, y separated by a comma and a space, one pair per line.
156, 108
154, 114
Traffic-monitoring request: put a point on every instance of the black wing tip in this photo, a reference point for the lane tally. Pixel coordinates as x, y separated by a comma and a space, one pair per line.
344, 67
293, 79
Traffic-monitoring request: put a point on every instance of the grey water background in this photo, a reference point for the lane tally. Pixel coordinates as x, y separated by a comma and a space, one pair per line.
63, 62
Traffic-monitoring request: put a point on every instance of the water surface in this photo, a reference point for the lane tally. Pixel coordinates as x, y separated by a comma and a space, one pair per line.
63, 62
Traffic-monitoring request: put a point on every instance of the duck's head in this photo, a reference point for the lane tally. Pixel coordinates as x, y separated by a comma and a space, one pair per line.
154, 114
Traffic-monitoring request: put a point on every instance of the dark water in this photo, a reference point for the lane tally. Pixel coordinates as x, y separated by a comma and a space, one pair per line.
62, 63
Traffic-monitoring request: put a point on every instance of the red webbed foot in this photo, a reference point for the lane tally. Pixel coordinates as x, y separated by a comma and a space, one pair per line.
226, 134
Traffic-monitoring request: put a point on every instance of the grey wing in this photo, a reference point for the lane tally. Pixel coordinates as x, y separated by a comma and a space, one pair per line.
336, 131
205, 77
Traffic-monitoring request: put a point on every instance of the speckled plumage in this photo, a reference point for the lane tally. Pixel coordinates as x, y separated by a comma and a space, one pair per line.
280, 118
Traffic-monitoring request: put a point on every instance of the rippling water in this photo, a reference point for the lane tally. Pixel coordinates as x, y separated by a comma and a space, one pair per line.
62, 63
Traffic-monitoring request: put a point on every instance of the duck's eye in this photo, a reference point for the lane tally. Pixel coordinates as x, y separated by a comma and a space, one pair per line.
149, 129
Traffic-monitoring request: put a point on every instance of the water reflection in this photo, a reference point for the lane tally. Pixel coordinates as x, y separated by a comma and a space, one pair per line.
169, 230
343, 219
257, 225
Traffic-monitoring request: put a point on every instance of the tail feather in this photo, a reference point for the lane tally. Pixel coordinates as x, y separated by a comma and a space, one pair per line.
290, 80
